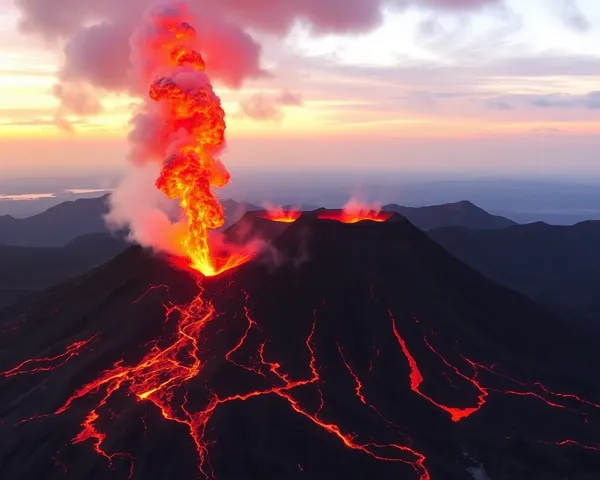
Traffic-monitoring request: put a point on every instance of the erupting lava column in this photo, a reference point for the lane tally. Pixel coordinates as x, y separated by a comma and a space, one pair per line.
194, 133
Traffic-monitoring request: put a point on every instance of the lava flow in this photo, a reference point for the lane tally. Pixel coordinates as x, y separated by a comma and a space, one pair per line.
195, 126
416, 379
37, 365
162, 375
354, 212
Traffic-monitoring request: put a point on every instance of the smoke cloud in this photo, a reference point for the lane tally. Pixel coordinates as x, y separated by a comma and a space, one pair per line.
264, 107
97, 52
109, 48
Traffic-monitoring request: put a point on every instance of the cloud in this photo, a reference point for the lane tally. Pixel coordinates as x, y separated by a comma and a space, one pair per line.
572, 16
590, 101
77, 99
549, 130
334, 16
264, 107
288, 98
499, 104
95, 34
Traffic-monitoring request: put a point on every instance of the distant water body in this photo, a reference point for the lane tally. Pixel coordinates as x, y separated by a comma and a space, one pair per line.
31, 203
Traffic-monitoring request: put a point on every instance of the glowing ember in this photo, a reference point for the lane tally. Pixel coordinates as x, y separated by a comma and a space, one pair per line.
278, 214
354, 212
192, 114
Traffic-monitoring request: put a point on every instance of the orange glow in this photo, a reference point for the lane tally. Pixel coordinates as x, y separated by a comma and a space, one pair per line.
159, 375
191, 172
354, 212
162, 378
278, 214
37, 365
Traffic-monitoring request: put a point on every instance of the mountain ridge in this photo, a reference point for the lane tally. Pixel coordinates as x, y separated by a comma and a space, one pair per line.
462, 213
555, 265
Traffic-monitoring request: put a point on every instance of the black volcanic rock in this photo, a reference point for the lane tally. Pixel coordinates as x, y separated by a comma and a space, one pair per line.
459, 214
375, 303
558, 266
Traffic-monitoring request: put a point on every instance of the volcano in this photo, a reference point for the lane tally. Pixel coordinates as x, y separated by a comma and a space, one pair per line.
364, 351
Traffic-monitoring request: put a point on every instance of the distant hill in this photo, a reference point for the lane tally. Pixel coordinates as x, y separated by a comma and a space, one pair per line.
559, 266
62, 223
27, 269
56, 226
459, 214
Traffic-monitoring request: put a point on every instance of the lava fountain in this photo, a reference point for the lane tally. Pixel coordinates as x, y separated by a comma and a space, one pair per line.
182, 98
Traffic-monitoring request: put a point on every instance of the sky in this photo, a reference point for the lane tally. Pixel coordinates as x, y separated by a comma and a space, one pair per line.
487, 87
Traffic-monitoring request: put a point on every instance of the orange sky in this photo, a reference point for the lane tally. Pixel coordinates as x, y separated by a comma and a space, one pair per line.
517, 80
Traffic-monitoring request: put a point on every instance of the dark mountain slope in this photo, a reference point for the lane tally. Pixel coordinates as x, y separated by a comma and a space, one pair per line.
57, 225
27, 269
348, 364
459, 214
559, 266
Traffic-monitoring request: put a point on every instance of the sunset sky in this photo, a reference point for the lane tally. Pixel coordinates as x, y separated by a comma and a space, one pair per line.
493, 88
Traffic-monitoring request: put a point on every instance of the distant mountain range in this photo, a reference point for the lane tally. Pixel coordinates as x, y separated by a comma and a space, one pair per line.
459, 214
59, 225
56, 226
558, 266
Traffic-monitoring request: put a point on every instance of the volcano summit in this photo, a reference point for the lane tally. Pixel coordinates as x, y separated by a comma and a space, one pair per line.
376, 355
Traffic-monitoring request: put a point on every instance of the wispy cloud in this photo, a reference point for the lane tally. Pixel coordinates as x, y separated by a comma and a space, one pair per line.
590, 101
572, 16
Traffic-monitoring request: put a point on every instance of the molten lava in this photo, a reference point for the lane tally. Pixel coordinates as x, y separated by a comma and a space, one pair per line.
46, 364
278, 214
354, 212
344, 217
193, 115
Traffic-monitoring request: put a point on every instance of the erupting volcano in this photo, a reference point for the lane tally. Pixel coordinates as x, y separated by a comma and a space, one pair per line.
358, 349
182, 100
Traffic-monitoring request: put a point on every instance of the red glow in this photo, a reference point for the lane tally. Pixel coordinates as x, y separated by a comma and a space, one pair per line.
416, 379
278, 214
358, 389
37, 365
355, 218
163, 371
192, 111
354, 212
